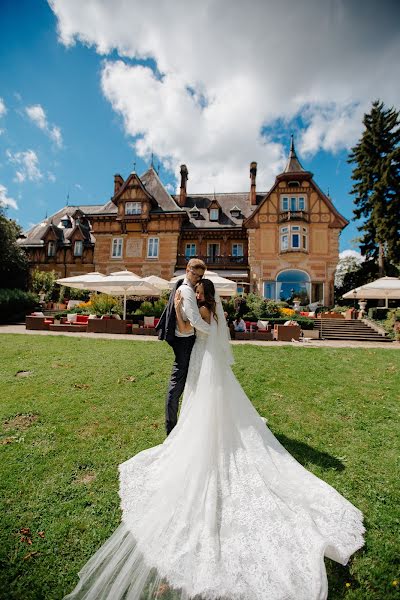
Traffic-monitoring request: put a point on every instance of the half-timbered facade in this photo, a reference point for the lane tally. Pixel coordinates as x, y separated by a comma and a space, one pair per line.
281, 243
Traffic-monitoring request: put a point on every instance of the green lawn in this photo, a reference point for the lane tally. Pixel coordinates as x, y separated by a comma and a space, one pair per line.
88, 405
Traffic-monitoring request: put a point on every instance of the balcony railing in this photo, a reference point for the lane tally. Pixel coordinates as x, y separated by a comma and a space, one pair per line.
293, 215
216, 261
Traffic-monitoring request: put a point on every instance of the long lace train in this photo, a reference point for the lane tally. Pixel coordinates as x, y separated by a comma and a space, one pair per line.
220, 510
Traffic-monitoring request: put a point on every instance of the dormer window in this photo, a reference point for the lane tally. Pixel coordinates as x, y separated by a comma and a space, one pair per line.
214, 214
235, 212
194, 212
51, 248
294, 184
78, 248
66, 222
133, 208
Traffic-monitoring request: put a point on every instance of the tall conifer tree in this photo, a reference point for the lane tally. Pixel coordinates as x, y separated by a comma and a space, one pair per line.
377, 185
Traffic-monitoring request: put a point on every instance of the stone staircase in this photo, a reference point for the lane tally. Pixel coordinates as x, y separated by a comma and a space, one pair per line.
341, 329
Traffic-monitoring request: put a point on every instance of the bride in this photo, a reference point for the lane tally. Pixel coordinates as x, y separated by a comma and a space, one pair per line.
220, 510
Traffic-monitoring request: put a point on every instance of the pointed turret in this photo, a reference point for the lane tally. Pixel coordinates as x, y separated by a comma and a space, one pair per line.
293, 164
293, 169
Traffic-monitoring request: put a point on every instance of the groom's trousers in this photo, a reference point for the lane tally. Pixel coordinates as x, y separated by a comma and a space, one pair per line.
182, 347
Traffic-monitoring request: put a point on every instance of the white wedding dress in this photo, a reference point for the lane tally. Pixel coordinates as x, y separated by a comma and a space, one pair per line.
220, 510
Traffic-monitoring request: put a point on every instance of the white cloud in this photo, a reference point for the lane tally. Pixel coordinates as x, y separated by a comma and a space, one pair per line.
3, 108
78, 186
228, 70
5, 200
51, 177
37, 115
352, 254
27, 165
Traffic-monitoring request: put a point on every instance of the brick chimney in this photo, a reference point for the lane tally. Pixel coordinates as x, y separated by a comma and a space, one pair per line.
118, 182
184, 178
253, 174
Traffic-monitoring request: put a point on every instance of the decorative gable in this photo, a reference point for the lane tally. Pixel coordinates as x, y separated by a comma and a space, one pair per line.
133, 200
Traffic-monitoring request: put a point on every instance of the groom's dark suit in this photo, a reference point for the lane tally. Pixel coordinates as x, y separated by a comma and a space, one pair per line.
182, 347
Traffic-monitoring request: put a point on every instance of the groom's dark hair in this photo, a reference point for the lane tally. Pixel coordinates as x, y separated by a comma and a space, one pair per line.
209, 296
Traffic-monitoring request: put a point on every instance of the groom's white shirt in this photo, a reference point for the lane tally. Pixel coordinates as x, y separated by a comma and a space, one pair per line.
190, 311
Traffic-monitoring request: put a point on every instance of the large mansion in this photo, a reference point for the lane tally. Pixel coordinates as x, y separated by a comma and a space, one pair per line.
279, 243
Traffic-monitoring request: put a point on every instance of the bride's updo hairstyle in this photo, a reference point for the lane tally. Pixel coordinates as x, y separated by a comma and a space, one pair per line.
209, 296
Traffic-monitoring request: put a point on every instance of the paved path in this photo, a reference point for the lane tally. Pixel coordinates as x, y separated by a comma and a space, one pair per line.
20, 329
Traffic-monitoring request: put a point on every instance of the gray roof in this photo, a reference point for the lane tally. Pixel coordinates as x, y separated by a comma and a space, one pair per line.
33, 237
155, 187
226, 202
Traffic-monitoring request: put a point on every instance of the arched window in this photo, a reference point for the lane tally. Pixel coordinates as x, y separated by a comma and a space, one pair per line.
293, 284
289, 284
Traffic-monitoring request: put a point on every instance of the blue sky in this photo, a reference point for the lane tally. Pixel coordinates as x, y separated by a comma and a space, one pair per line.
90, 88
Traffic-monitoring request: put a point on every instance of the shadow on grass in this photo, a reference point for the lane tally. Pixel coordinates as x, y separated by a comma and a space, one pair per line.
305, 454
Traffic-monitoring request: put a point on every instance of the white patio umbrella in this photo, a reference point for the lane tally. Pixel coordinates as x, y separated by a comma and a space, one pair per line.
224, 287
387, 288
124, 283
158, 282
79, 282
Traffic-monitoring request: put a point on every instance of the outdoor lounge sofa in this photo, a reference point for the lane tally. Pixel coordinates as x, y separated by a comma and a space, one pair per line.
38, 323
286, 333
108, 326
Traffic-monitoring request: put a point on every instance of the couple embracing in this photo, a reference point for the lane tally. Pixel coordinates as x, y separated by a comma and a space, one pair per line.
220, 510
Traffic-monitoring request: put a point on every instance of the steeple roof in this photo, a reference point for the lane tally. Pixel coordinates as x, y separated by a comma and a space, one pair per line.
293, 164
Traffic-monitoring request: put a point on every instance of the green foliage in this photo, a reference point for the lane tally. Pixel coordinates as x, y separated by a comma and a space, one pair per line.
377, 314
165, 295
16, 304
392, 323
255, 305
340, 309
147, 309
104, 304
75, 294
43, 282
272, 308
377, 184
159, 306
13, 260
62, 293
61, 315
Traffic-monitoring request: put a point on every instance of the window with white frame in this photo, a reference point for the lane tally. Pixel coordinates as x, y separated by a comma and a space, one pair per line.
305, 236
284, 238
116, 248
237, 249
51, 248
190, 250
133, 208
293, 203
78, 248
214, 214
152, 247
293, 237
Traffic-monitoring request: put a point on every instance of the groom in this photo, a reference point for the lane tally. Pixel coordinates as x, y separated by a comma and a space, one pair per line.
181, 343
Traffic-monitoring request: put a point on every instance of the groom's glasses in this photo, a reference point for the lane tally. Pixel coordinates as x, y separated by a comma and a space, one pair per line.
199, 277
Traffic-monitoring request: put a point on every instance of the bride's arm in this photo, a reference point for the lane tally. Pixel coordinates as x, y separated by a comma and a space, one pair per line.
183, 326
205, 313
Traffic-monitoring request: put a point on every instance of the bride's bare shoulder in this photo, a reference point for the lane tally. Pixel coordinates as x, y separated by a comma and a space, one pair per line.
205, 313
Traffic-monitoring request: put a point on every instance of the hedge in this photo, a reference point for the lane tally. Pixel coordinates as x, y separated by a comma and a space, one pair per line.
16, 304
